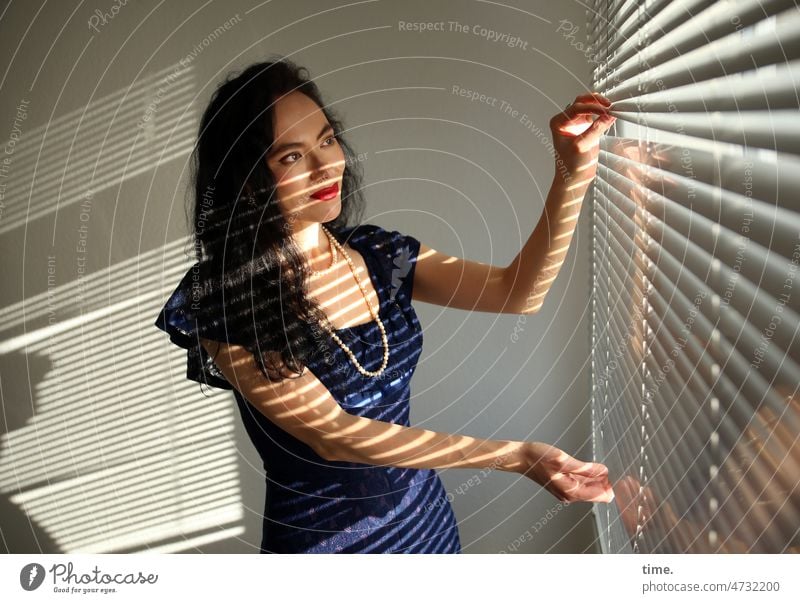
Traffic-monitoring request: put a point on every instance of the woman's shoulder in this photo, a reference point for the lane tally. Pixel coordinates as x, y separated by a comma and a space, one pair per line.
362, 234
395, 254
378, 239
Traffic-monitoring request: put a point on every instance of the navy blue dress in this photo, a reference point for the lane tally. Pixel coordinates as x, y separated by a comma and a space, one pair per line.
317, 506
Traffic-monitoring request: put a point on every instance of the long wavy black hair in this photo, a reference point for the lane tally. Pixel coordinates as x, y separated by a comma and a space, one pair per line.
251, 281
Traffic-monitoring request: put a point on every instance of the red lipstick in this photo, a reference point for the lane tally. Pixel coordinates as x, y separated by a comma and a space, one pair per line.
326, 194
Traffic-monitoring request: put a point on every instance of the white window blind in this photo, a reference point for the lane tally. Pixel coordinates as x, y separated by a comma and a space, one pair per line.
696, 286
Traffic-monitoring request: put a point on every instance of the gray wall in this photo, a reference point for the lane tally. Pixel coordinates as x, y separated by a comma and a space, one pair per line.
93, 226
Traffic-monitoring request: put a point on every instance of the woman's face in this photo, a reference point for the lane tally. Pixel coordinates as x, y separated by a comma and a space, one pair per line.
304, 158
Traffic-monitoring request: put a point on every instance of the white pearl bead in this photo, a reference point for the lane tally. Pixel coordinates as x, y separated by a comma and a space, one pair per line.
334, 257
373, 310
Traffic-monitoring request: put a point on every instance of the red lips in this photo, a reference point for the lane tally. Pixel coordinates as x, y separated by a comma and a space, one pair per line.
325, 194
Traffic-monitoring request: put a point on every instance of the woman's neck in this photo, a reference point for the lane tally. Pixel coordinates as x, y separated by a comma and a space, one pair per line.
312, 241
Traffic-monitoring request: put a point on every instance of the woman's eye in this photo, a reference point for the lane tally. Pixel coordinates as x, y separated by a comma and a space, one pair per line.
331, 138
287, 157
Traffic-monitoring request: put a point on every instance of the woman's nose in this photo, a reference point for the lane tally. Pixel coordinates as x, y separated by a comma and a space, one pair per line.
320, 171
320, 164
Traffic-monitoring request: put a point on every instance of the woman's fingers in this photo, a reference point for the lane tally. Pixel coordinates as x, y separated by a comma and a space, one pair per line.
570, 479
598, 491
592, 135
580, 108
592, 97
588, 468
593, 470
572, 489
578, 488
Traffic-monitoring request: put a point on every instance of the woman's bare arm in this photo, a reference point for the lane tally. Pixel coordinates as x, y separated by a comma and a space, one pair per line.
361, 440
304, 408
533, 271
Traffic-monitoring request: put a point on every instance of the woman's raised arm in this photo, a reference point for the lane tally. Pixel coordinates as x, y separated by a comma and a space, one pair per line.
576, 147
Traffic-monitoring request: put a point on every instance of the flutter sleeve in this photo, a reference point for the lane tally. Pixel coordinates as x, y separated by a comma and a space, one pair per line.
178, 320
404, 250
398, 255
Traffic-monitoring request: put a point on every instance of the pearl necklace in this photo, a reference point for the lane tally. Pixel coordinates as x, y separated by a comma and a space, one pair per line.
372, 309
334, 257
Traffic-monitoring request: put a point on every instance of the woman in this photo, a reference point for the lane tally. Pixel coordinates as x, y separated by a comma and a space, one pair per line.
309, 320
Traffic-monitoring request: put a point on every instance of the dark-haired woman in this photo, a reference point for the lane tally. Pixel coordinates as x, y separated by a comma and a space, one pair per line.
307, 316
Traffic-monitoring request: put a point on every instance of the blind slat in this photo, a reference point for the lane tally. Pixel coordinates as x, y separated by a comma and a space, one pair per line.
644, 20
770, 272
748, 189
762, 476
695, 272
776, 130
766, 43
711, 22
743, 91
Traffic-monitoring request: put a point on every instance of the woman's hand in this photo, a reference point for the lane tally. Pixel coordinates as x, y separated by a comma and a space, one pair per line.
576, 137
565, 477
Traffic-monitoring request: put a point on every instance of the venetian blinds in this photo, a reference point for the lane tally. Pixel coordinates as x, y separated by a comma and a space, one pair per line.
696, 288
